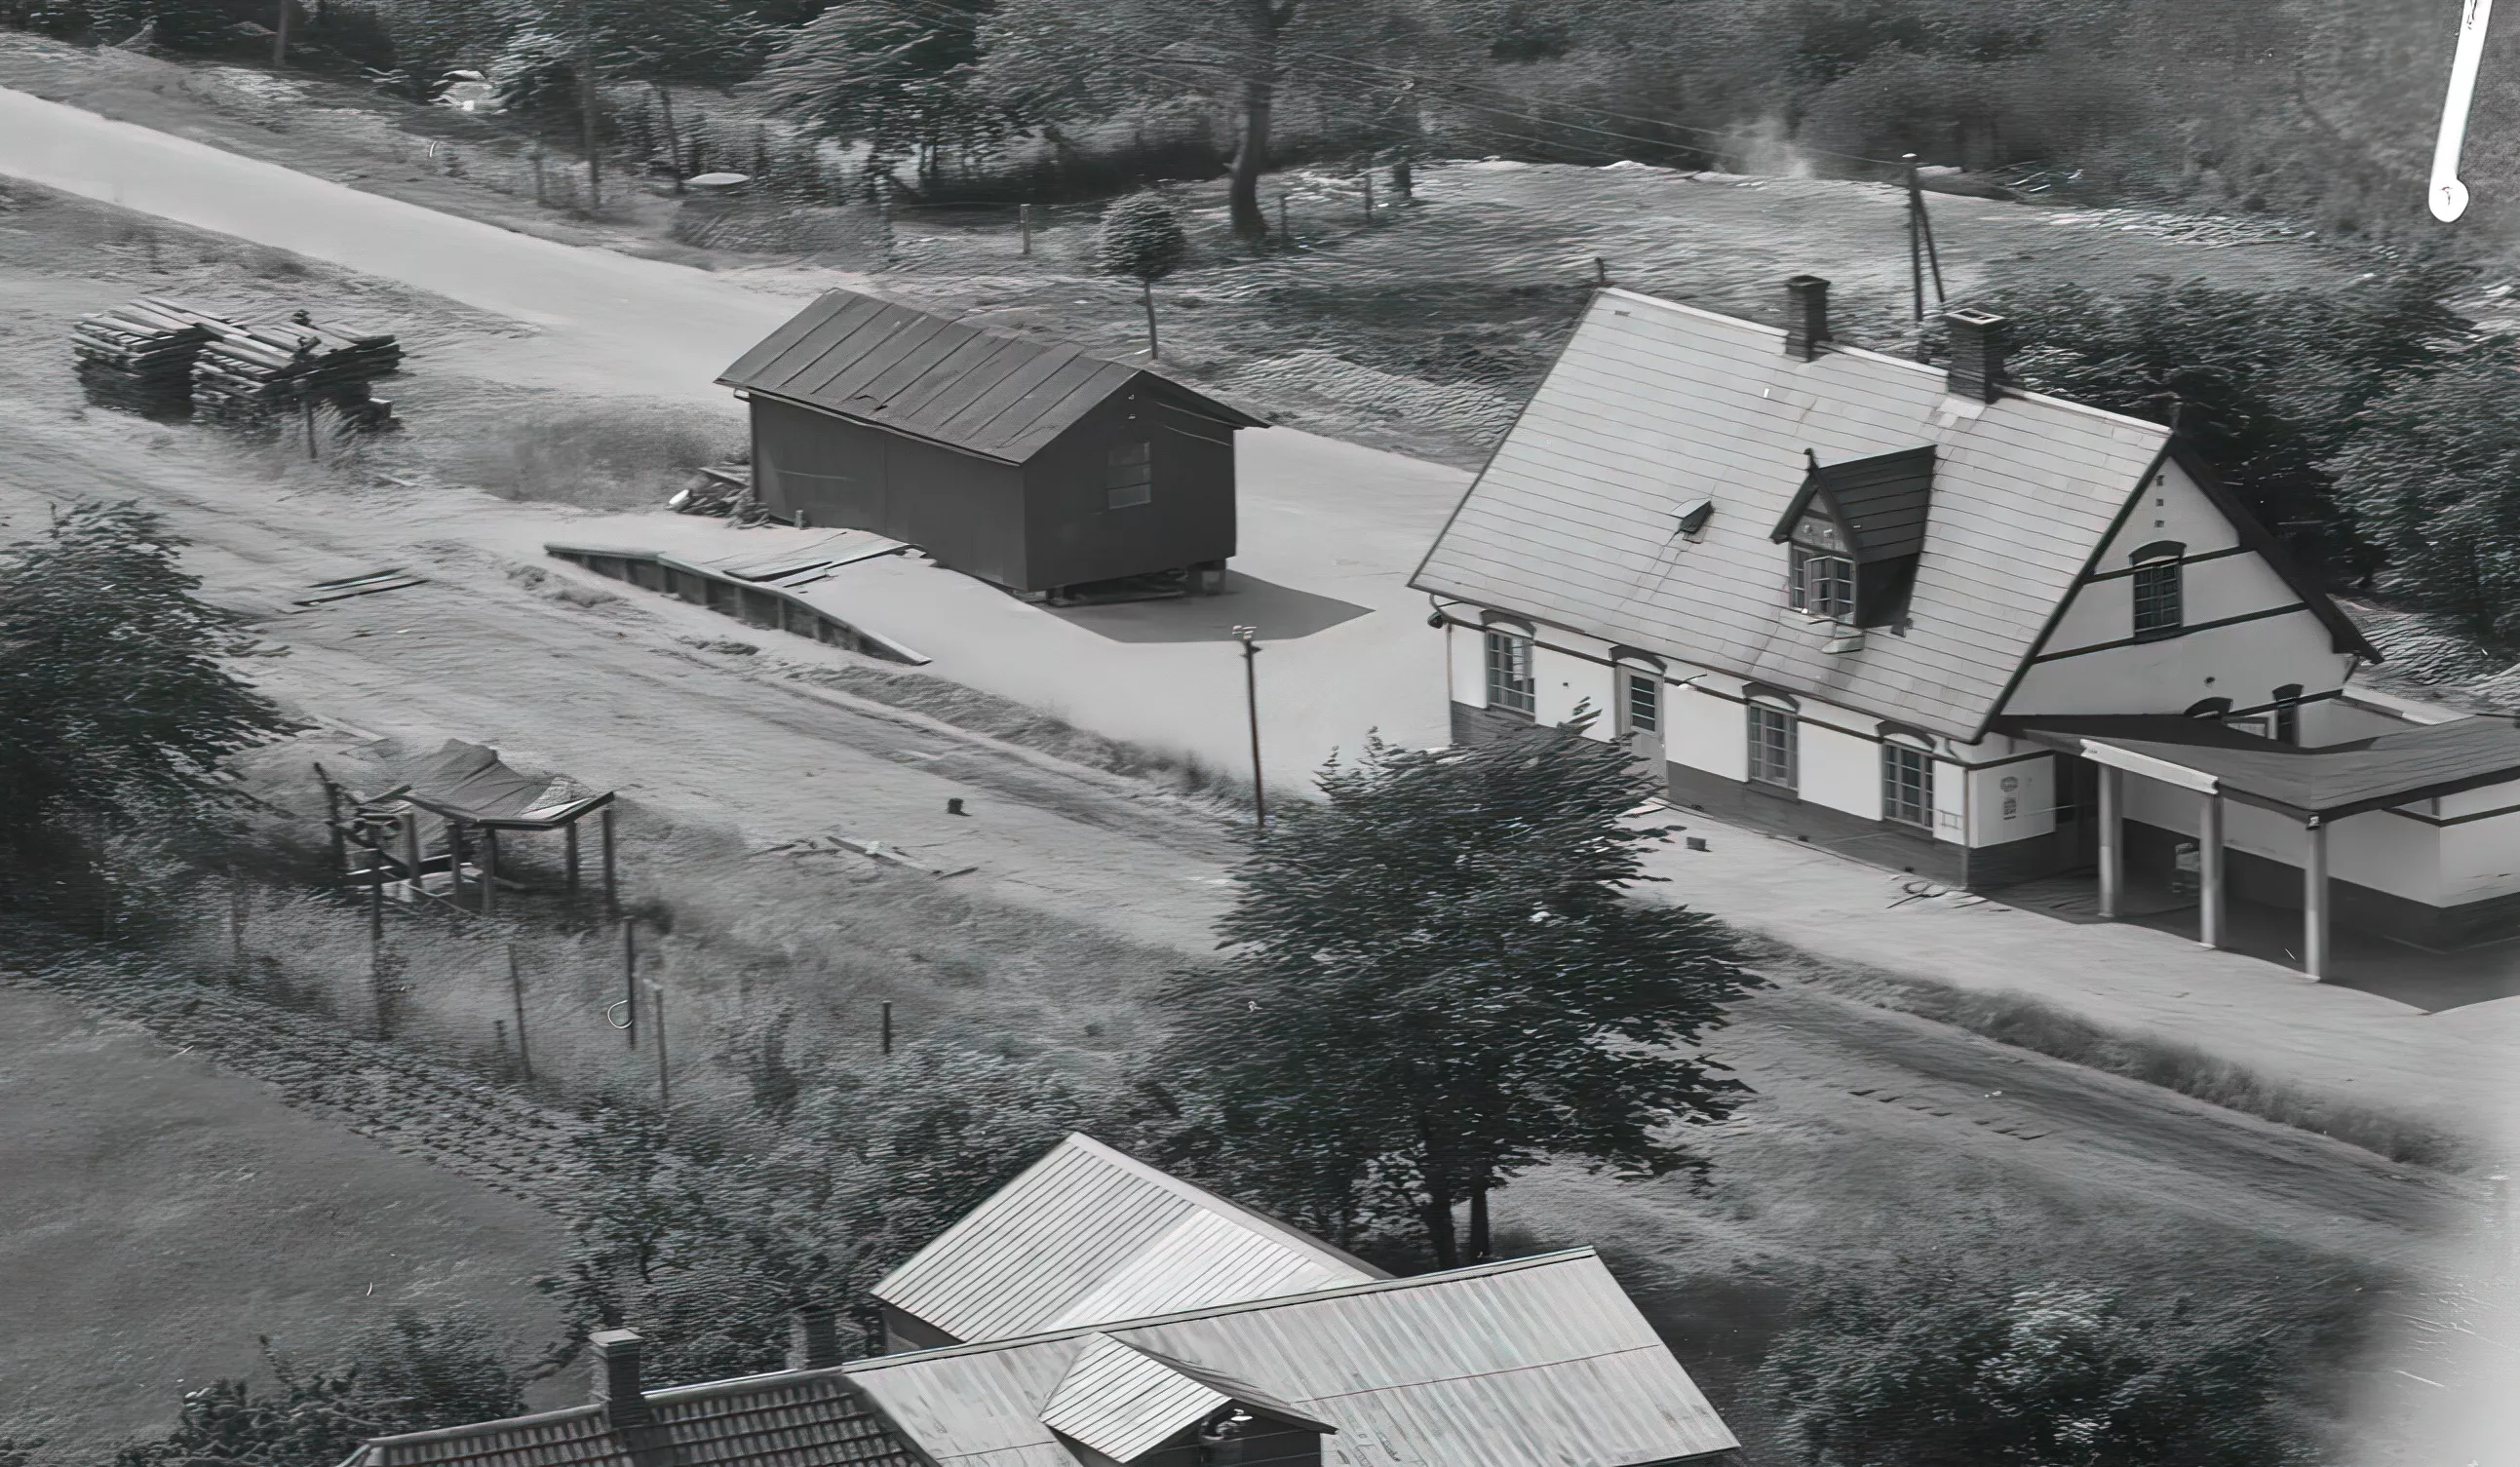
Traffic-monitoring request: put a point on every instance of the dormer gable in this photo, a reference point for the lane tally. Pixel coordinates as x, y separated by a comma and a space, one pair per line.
1870, 514
1126, 1405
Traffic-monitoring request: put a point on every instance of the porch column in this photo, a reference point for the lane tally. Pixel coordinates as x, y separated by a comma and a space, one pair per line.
2313, 899
2112, 840
2209, 873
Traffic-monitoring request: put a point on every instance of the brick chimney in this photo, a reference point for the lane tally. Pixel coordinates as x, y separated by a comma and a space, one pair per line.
617, 1377
1977, 354
813, 1338
1806, 316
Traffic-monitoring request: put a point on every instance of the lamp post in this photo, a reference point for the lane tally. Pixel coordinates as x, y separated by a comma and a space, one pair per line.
1251, 701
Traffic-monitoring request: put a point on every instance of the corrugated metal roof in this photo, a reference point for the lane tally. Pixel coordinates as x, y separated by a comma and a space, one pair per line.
796, 1418
981, 391
1654, 405
1088, 1234
1536, 1363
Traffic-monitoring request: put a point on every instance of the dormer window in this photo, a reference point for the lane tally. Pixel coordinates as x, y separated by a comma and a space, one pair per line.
1853, 535
1823, 572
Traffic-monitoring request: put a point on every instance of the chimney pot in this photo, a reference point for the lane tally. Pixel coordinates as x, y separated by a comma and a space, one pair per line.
1806, 316
1976, 368
813, 1338
616, 1386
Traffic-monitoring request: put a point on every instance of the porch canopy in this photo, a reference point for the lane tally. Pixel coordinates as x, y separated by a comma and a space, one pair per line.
2309, 784
2317, 787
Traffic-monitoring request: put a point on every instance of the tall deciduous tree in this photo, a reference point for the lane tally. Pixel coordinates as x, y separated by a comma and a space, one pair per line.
2433, 478
671, 43
1142, 239
1437, 977
893, 75
115, 705
1931, 1367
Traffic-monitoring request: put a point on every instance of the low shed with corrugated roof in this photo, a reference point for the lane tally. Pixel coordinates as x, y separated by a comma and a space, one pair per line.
1027, 464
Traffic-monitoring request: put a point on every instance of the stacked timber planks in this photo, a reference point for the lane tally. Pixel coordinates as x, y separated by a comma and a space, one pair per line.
249, 376
139, 358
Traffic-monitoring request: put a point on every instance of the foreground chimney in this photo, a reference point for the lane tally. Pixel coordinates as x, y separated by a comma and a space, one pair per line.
813, 1338
1977, 354
1806, 316
617, 1377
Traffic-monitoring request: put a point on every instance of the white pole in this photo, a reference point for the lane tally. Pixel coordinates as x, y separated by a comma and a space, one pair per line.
2314, 900
2112, 841
2209, 873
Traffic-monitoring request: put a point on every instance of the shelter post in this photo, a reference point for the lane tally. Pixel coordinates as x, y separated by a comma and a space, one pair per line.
611, 892
489, 871
332, 819
411, 850
2112, 841
2209, 873
2314, 899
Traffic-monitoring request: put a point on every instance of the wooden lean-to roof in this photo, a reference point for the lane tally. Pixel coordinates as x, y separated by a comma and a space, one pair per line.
1535, 1363
937, 379
1089, 1233
1654, 406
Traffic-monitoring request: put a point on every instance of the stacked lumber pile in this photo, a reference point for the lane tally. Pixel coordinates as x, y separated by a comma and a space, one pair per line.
249, 376
139, 358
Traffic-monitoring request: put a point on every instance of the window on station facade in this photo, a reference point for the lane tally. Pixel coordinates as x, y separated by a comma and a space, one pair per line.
1907, 784
1643, 693
2158, 611
1512, 686
1772, 746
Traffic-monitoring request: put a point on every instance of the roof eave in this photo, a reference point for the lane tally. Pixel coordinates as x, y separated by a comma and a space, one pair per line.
2344, 635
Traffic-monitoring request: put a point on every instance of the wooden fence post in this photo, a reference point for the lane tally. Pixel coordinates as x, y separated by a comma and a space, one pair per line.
887, 1026
630, 979
1023, 222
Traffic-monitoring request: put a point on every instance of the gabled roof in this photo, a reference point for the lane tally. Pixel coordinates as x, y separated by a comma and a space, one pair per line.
1654, 405
1124, 1401
1088, 1234
1536, 1363
1879, 503
793, 1418
937, 379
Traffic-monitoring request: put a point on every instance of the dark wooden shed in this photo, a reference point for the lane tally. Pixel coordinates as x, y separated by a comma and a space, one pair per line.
1024, 463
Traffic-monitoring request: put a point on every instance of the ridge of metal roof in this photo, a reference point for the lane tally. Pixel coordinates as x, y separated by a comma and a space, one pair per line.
1245, 1307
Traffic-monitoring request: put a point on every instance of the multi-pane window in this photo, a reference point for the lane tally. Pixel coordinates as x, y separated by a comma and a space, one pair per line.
1131, 477
1772, 746
1907, 784
1511, 683
2288, 712
1823, 574
1645, 702
2157, 611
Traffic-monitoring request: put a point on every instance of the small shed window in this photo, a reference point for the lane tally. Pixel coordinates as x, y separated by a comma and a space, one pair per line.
1772, 746
1907, 784
1512, 686
2158, 608
1131, 479
1823, 573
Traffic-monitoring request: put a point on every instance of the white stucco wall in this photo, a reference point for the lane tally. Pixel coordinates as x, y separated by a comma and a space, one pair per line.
1571, 680
2479, 858
1994, 814
1467, 649
1839, 769
2245, 662
1705, 731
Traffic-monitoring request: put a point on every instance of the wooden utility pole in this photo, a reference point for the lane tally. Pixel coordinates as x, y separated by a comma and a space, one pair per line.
1154, 346
1023, 223
665, 1081
630, 980
887, 1026
1251, 701
280, 37
586, 104
1369, 198
1915, 246
612, 891
516, 992
1285, 232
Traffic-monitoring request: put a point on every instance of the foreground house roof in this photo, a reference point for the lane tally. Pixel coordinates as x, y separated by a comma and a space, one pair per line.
1088, 1234
792, 1418
1535, 1363
933, 377
1655, 406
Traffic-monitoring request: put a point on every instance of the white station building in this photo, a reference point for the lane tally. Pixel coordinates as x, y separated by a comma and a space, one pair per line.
1953, 628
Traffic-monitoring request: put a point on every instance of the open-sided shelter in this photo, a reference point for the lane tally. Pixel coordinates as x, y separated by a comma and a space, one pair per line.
1027, 464
449, 817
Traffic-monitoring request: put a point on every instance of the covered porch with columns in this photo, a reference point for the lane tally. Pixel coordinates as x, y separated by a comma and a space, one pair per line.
2308, 791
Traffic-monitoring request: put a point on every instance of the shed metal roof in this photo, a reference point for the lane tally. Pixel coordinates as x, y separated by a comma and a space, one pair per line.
930, 377
1534, 1363
794, 1418
1088, 1234
2331, 782
1654, 405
